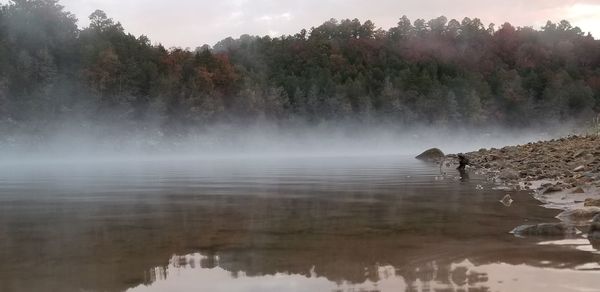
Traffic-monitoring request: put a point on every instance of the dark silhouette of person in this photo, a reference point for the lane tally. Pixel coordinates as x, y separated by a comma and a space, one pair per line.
463, 161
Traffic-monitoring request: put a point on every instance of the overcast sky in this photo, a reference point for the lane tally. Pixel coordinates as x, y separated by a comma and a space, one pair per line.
191, 23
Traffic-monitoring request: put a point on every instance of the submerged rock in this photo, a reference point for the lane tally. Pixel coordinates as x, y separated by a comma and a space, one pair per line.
584, 214
431, 155
507, 201
545, 229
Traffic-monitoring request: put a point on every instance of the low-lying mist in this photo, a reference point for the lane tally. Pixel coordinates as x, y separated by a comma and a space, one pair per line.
263, 141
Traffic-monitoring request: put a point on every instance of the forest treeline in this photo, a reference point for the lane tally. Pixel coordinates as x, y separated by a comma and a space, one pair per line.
436, 72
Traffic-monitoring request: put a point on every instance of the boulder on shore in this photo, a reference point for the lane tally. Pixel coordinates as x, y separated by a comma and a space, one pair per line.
431, 155
545, 229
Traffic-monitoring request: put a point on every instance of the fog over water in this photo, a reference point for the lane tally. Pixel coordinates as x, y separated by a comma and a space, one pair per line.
257, 141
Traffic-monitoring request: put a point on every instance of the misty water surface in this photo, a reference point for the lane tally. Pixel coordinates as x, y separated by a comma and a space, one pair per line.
372, 223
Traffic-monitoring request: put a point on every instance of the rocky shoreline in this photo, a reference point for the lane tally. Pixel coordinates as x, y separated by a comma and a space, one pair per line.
562, 173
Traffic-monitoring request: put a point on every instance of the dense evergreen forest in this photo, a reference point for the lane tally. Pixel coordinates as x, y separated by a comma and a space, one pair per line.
439, 72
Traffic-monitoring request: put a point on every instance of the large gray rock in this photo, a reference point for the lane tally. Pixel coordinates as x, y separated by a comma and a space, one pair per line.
545, 229
584, 214
431, 155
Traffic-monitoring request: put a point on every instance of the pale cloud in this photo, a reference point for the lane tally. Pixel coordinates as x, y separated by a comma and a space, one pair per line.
585, 16
286, 16
236, 14
191, 23
270, 18
271, 22
266, 18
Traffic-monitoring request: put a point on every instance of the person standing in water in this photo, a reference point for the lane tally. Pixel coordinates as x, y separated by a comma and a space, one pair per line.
463, 161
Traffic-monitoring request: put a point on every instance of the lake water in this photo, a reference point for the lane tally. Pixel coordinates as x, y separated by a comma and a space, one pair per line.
295, 224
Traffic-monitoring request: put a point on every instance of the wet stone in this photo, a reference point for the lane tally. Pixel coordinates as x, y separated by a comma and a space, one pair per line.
592, 202
545, 229
579, 215
578, 190
553, 189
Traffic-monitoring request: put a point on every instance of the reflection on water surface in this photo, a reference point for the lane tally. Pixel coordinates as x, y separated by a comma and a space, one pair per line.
186, 273
318, 224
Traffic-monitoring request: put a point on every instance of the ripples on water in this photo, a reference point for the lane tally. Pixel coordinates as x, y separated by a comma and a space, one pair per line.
302, 224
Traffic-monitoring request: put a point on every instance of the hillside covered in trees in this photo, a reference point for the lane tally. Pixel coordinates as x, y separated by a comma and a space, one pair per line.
439, 72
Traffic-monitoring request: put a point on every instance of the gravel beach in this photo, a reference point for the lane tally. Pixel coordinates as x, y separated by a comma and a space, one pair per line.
562, 173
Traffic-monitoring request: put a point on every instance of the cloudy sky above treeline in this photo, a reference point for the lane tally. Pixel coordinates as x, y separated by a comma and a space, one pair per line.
192, 23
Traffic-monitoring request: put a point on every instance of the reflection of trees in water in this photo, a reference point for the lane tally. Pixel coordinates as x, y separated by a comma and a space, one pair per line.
433, 275
427, 277
341, 240
444, 273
